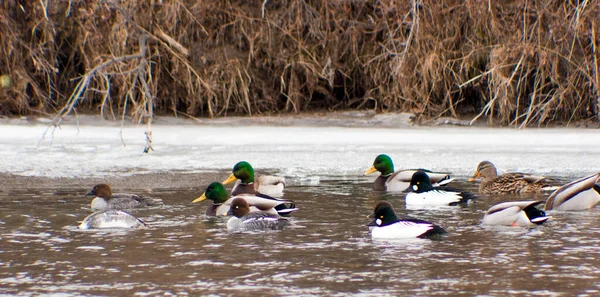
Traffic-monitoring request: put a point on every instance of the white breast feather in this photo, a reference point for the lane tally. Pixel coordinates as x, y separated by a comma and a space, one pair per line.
433, 198
401, 229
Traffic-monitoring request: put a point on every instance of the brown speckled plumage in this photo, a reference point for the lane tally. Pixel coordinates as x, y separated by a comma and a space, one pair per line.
507, 183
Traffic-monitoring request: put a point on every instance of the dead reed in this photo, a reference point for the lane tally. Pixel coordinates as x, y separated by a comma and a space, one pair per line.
514, 63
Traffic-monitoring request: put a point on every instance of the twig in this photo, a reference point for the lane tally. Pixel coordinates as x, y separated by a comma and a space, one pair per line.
263, 8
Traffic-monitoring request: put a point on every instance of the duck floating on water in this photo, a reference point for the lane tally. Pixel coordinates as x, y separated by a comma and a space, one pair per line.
515, 213
246, 183
244, 220
425, 194
514, 182
217, 193
387, 225
399, 181
580, 194
105, 199
111, 218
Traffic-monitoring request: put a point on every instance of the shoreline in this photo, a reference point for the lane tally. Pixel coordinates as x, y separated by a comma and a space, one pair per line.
353, 119
154, 180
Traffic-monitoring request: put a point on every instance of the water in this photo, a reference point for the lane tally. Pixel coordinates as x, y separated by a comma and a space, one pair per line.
328, 251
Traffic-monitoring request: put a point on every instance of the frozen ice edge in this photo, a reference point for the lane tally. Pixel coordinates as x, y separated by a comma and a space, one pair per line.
294, 149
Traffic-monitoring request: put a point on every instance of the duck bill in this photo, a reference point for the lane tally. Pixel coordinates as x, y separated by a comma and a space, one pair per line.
91, 193
201, 198
475, 177
371, 170
230, 179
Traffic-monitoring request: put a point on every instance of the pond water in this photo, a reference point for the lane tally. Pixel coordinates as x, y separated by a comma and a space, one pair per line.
327, 251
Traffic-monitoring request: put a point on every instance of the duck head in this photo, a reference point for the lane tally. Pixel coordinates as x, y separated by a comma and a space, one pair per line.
239, 208
215, 192
485, 170
384, 214
420, 182
242, 171
101, 190
383, 163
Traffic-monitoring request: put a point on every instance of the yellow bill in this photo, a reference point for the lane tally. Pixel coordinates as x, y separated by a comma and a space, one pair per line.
371, 170
229, 179
201, 198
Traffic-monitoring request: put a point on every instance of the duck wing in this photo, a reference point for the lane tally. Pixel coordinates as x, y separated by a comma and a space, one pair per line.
580, 194
257, 221
262, 203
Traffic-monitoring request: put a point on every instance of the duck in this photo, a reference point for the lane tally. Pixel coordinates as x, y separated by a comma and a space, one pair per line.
111, 218
399, 181
580, 194
217, 193
387, 225
515, 213
244, 220
516, 183
243, 172
105, 199
423, 193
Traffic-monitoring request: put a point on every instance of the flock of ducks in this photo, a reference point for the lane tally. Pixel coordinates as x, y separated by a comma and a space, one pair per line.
255, 203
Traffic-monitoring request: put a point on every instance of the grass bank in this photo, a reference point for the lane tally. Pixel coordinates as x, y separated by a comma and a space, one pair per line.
515, 63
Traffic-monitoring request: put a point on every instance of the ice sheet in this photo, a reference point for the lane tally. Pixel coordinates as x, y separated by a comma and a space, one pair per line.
295, 151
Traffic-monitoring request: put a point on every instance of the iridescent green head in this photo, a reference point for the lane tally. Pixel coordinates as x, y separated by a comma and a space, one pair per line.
383, 163
215, 192
242, 171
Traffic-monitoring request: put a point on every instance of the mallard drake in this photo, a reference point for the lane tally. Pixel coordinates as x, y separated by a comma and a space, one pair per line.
111, 218
424, 193
244, 220
399, 181
581, 194
105, 199
217, 193
508, 182
247, 184
515, 213
387, 225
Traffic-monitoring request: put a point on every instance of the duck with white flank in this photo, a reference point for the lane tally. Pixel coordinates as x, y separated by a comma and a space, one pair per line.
513, 182
105, 199
111, 218
515, 213
399, 181
244, 220
247, 184
217, 193
580, 194
425, 194
387, 225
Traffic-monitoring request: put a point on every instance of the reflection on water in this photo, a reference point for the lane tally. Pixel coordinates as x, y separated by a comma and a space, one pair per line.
327, 252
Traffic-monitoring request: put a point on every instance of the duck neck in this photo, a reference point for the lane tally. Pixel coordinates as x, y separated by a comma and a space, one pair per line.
99, 203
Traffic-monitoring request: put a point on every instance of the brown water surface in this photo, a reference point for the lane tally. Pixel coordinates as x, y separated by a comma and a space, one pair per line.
327, 252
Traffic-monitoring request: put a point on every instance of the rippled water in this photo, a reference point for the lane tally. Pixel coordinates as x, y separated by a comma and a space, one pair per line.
327, 252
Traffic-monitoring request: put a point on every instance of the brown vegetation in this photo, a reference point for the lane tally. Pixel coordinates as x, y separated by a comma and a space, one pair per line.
515, 62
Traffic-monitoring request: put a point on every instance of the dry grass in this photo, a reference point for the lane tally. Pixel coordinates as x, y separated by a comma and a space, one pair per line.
514, 63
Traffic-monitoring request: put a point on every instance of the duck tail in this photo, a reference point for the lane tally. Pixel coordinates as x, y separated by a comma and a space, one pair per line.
285, 209
435, 232
444, 181
536, 215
